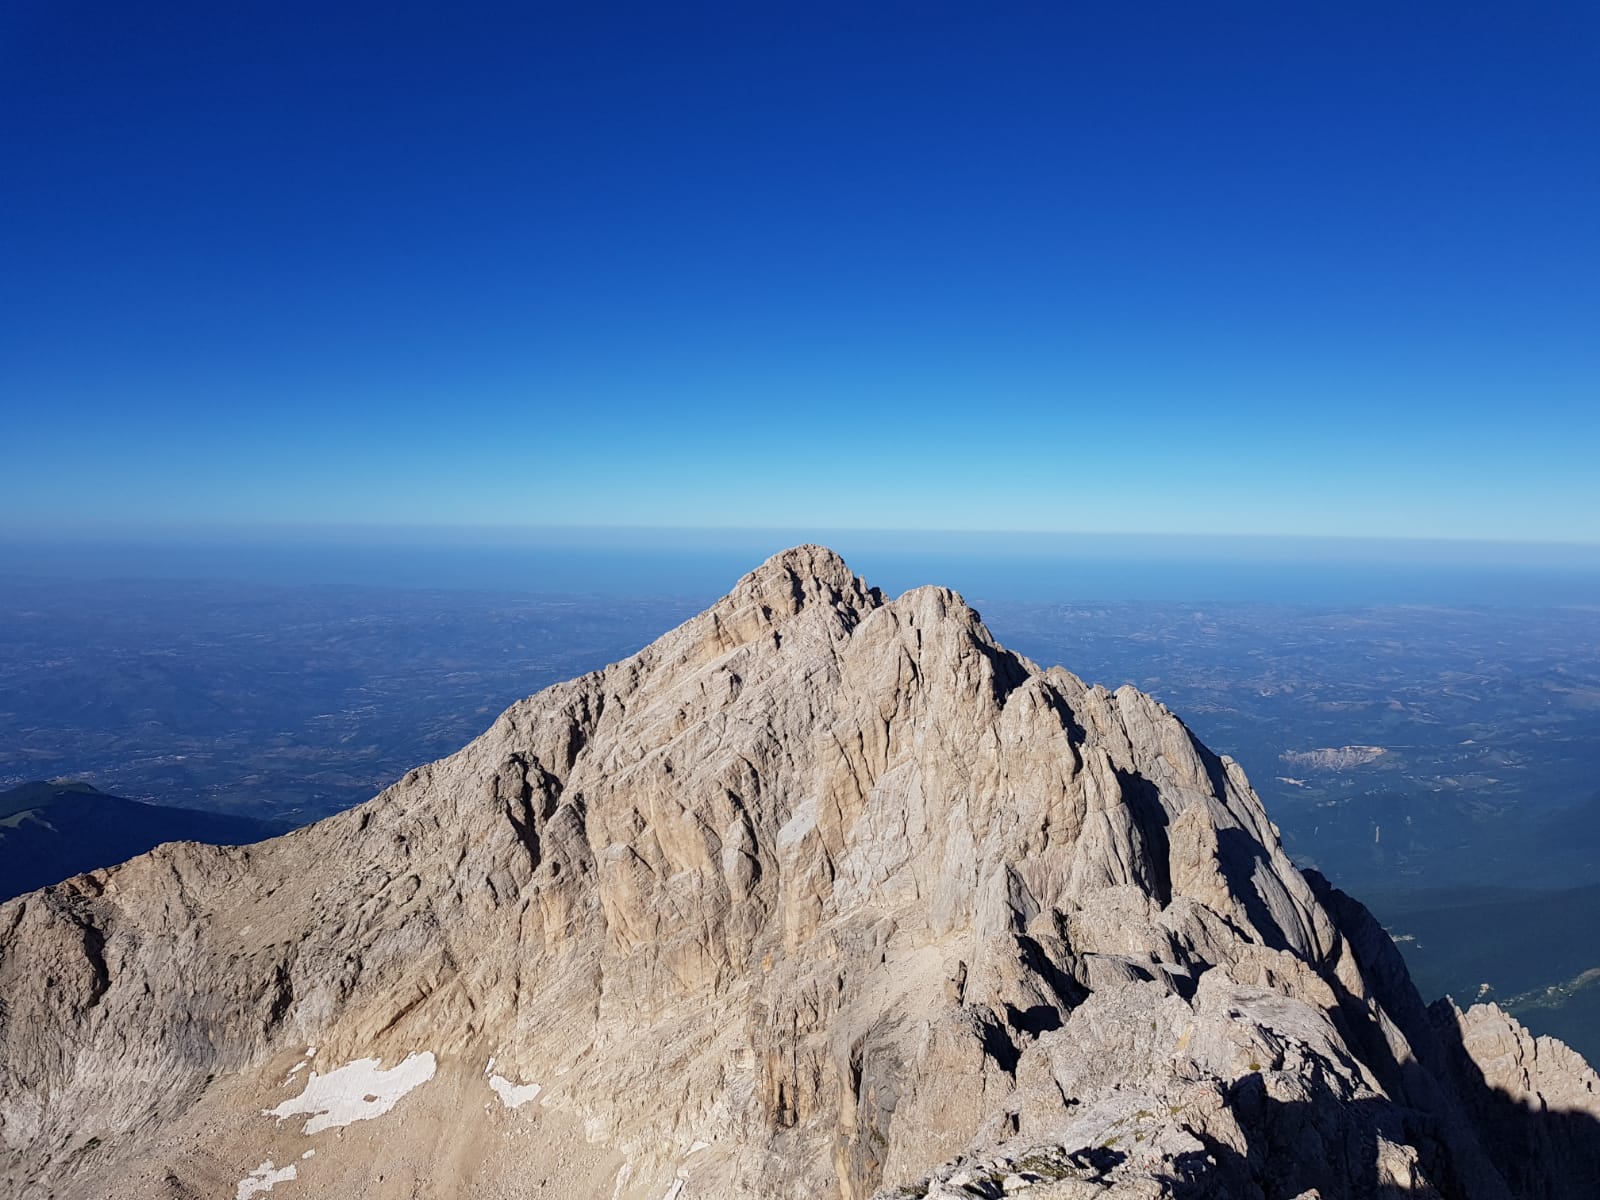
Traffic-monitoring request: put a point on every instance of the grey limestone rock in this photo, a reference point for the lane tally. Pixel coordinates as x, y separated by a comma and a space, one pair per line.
822, 894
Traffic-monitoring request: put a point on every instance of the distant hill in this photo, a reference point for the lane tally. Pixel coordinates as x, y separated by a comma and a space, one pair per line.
53, 831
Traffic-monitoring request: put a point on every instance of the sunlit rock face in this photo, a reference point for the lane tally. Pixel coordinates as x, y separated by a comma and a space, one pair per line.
822, 894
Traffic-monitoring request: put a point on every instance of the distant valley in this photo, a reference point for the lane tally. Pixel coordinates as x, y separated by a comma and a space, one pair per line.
1530, 951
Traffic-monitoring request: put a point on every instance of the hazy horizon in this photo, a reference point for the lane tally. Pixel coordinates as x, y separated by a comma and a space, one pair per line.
705, 562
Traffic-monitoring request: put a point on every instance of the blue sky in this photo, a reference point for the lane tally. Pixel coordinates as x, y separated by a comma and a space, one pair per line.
1242, 269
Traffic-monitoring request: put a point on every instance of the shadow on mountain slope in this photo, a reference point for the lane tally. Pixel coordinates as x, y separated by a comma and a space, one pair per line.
1294, 1149
52, 831
1541, 1153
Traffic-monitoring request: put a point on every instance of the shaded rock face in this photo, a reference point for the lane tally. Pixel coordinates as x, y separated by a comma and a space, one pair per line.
820, 895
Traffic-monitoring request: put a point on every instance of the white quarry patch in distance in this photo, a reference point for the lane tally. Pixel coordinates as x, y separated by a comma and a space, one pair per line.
263, 1178
357, 1091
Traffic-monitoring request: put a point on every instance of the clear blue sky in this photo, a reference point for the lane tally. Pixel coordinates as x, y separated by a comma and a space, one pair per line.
1267, 268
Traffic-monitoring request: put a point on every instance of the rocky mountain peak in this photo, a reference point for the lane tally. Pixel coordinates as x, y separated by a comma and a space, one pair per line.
820, 894
807, 566
804, 580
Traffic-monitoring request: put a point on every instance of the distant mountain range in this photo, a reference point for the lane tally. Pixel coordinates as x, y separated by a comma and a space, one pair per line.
50, 831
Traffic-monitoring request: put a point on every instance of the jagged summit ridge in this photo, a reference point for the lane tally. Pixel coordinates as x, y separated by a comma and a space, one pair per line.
815, 895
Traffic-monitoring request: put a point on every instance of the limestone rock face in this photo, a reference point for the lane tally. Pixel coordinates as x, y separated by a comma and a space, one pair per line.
820, 895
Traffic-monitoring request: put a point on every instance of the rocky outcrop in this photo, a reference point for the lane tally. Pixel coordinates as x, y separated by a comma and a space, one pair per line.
821, 894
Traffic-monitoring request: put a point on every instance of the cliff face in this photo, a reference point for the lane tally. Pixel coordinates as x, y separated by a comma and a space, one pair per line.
820, 895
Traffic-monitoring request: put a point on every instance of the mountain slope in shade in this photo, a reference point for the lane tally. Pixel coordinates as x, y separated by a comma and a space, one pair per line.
820, 895
50, 831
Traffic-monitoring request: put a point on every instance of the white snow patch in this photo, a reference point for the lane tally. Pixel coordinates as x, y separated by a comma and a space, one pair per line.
308, 1154
513, 1095
698, 1146
672, 1192
263, 1178
357, 1091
